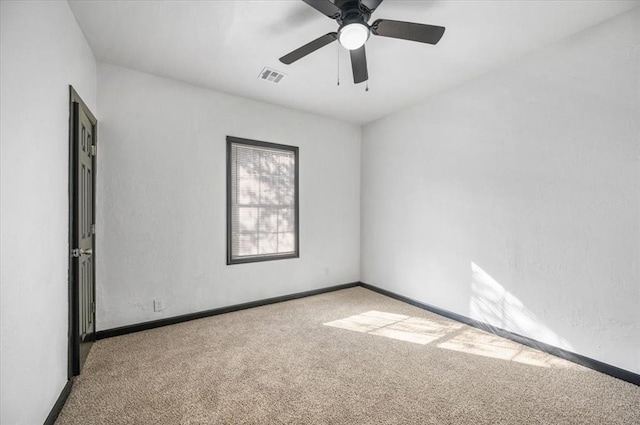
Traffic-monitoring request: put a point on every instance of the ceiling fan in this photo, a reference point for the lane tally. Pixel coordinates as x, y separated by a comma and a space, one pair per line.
352, 17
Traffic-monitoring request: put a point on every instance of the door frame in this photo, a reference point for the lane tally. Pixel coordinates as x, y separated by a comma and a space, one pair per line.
73, 364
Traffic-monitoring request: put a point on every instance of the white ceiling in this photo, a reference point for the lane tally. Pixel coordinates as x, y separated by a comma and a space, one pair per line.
223, 45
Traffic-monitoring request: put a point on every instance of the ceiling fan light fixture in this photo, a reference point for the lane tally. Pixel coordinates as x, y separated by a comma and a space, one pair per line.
353, 36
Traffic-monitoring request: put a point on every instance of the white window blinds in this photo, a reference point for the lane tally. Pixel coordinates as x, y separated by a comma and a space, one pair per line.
263, 201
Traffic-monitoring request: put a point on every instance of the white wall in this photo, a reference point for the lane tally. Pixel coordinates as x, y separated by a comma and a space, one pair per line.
42, 52
161, 225
514, 199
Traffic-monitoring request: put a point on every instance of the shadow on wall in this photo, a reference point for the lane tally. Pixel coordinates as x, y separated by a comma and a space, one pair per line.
451, 336
492, 304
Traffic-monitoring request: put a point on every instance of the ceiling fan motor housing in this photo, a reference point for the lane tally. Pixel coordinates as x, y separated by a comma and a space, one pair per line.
353, 31
352, 13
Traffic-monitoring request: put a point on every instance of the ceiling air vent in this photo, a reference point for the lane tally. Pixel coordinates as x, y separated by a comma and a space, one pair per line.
268, 74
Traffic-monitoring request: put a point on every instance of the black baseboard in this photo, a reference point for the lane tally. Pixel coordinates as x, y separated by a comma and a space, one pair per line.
123, 330
590, 363
597, 365
59, 404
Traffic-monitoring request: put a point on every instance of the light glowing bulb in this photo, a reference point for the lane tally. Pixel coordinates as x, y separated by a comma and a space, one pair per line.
353, 36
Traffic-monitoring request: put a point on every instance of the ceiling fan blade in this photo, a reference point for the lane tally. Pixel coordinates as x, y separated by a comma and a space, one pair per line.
408, 31
311, 47
325, 7
371, 5
359, 65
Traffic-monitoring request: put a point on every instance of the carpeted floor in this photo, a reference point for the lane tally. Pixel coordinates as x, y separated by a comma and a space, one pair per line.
346, 357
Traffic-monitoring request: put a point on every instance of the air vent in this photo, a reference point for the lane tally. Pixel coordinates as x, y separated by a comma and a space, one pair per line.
269, 74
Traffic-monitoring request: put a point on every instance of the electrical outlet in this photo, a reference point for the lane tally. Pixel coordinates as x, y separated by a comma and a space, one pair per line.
158, 305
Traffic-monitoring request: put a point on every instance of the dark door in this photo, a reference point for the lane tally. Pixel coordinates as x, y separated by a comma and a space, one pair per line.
82, 237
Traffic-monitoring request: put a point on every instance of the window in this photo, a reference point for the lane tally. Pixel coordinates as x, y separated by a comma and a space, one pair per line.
262, 201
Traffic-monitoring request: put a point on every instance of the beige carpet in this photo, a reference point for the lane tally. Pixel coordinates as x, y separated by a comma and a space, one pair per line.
346, 357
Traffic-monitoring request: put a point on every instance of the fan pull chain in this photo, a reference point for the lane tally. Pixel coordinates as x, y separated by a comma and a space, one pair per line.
338, 63
367, 89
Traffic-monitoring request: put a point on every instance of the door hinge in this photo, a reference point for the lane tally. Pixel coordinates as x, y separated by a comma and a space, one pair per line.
93, 307
93, 229
94, 150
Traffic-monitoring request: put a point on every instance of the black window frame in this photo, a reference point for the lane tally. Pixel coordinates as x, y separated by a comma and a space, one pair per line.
231, 140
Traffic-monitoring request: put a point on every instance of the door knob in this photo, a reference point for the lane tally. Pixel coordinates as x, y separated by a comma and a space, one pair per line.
80, 251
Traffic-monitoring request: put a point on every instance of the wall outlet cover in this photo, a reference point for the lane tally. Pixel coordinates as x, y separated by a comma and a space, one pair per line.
158, 305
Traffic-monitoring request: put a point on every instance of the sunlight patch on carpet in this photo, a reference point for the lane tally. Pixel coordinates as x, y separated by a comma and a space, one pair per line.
423, 331
397, 326
480, 343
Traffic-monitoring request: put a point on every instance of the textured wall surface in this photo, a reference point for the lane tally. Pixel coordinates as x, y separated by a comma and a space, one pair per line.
514, 199
42, 51
161, 226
